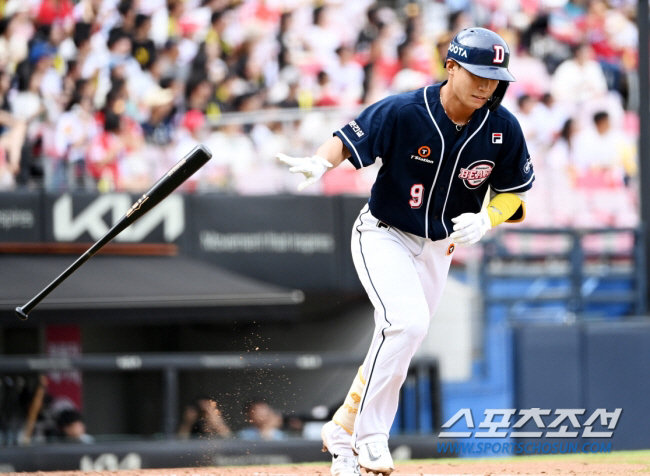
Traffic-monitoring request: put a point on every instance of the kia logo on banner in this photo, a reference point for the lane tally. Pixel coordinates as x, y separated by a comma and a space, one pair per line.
68, 227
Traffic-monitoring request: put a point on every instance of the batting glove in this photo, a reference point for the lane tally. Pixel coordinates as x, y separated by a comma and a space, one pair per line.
469, 228
312, 168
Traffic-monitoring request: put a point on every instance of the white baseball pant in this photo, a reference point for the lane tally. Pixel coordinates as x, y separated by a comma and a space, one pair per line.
404, 276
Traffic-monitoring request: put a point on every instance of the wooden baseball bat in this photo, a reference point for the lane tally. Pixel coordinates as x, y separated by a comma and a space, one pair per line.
34, 409
180, 172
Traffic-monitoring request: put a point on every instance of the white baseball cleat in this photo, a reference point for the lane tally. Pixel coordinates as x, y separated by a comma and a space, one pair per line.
375, 457
341, 465
345, 466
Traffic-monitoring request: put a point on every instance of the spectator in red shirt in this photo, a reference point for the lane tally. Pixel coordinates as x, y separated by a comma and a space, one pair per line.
51, 11
106, 149
326, 95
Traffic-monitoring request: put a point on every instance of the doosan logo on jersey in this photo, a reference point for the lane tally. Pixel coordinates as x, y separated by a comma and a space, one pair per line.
476, 173
459, 50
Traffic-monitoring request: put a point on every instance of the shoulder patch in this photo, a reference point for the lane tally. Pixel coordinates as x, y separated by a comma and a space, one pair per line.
356, 128
528, 166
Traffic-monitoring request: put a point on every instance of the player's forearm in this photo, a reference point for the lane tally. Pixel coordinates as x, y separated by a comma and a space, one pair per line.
334, 151
217, 425
502, 207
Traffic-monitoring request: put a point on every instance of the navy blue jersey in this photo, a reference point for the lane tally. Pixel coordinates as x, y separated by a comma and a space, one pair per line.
431, 173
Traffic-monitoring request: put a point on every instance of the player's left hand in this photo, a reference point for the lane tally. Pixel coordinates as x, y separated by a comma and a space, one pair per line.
469, 228
312, 168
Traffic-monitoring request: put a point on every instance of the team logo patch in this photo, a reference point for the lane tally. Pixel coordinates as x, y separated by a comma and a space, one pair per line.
451, 249
497, 137
528, 166
476, 173
499, 54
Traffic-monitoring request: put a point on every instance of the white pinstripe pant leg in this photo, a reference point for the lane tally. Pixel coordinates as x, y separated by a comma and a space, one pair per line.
404, 277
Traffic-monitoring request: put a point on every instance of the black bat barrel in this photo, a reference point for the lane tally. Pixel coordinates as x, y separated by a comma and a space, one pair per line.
169, 182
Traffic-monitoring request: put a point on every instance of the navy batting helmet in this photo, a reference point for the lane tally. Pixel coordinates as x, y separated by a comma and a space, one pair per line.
485, 54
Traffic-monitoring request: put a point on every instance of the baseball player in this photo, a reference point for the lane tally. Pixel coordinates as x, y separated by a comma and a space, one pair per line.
442, 148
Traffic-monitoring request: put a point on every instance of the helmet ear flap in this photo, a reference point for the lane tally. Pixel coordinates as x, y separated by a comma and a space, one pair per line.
495, 101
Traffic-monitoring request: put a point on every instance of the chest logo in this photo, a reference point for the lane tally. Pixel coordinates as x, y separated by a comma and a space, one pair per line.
422, 155
497, 138
476, 173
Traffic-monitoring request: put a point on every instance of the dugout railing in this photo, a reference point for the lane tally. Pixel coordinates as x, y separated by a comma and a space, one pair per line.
420, 409
563, 273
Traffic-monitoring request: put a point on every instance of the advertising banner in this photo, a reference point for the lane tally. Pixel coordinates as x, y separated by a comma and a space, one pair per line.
285, 240
86, 217
20, 217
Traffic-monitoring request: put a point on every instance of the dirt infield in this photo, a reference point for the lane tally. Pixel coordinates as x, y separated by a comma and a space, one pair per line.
628, 463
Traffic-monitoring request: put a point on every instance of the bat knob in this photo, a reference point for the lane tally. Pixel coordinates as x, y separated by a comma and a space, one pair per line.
20, 313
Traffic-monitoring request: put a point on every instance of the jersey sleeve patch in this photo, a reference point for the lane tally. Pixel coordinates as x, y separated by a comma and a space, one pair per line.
358, 133
355, 158
514, 169
367, 136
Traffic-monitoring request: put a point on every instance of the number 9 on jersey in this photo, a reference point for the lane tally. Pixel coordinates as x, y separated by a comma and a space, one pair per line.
417, 192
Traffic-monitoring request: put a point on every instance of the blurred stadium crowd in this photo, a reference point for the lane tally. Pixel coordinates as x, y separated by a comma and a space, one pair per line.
109, 94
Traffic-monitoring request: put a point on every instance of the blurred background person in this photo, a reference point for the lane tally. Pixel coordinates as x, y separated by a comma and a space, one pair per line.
76, 128
105, 151
202, 418
12, 137
72, 428
264, 422
158, 128
598, 154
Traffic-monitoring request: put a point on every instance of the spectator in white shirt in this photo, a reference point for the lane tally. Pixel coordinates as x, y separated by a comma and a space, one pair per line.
579, 79
75, 129
599, 152
321, 40
347, 76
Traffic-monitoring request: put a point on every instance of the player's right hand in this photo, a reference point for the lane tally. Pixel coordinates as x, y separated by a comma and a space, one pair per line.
469, 228
312, 168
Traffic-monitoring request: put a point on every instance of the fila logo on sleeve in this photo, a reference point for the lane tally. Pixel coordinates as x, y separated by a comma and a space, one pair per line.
497, 137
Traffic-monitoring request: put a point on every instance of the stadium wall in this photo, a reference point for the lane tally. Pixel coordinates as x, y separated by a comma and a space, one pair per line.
587, 366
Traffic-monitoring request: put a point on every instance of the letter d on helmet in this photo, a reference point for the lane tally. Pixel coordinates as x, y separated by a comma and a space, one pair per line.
485, 54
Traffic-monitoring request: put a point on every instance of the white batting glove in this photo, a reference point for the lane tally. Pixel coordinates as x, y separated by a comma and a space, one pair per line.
312, 168
469, 228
